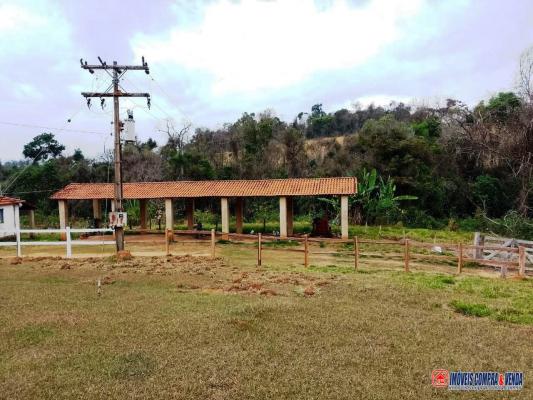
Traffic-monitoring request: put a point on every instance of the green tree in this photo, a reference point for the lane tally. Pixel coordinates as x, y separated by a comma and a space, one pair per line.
42, 147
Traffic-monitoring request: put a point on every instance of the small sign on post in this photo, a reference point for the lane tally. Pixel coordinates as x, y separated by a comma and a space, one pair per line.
118, 219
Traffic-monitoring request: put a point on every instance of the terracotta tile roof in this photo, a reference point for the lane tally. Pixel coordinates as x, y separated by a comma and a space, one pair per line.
235, 188
6, 201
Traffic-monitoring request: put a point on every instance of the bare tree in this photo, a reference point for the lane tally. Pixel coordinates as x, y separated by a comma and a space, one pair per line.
177, 139
525, 75
491, 141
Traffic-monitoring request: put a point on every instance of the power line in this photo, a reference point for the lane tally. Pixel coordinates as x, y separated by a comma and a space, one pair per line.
116, 72
50, 128
13, 179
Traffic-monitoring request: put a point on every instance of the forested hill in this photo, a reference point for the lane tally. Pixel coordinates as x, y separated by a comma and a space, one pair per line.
457, 161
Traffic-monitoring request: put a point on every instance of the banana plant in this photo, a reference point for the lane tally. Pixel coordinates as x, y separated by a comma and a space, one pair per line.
375, 199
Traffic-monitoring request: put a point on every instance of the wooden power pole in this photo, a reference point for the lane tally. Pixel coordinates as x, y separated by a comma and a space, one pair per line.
117, 71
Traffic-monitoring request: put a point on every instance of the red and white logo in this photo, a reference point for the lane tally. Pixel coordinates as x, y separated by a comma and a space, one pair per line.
440, 378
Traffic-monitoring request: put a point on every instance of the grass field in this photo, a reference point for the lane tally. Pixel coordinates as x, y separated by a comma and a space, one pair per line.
187, 327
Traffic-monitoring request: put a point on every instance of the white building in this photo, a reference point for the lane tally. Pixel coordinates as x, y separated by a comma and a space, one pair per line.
9, 215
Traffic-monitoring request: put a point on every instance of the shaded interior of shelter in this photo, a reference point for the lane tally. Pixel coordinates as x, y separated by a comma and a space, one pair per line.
189, 195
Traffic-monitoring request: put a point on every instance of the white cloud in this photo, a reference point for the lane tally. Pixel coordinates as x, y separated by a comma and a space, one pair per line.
26, 91
14, 17
251, 45
31, 28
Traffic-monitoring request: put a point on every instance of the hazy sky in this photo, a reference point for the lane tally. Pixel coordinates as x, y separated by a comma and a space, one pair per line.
212, 60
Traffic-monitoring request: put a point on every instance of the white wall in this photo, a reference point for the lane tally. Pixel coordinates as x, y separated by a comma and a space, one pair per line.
11, 220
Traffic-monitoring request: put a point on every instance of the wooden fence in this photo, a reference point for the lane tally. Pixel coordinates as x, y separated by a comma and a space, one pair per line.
459, 253
68, 243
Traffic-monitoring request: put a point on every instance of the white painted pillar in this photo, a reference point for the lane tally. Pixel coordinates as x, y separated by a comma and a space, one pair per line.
63, 217
169, 217
283, 217
224, 211
344, 217
290, 216
169, 214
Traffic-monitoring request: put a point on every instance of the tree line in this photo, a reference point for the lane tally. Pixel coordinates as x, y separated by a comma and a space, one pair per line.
445, 163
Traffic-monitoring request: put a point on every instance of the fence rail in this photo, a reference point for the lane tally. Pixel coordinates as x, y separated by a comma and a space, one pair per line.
515, 259
68, 242
459, 252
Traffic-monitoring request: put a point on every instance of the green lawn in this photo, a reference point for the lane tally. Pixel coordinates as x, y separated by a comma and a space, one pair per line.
192, 328
368, 232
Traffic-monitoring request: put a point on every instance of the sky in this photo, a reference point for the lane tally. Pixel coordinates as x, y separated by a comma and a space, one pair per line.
210, 61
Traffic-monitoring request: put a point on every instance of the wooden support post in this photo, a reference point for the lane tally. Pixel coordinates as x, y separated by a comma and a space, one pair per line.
259, 249
406, 255
190, 213
290, 215
306, 251
143, 213
356, 251
168, 235
213, 241
460, 258
97, 213
521, 261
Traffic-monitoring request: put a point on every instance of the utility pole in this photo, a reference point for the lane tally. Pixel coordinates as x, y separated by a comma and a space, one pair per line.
117, 91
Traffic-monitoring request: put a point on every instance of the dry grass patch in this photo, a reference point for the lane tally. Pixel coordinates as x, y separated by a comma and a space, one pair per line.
171, 328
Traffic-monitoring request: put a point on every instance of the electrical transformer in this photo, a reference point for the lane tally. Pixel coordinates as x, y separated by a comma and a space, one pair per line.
129, 129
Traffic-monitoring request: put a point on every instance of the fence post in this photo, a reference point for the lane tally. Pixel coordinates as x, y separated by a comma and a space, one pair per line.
479, 240
19, 246
460, 258
521, 261
406, 255
212, 243
306, 251
503, 271
356, 251
259, 249
167, 241
69, 242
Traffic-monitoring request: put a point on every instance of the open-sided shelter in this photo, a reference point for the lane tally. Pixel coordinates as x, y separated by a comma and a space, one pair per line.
285, 189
